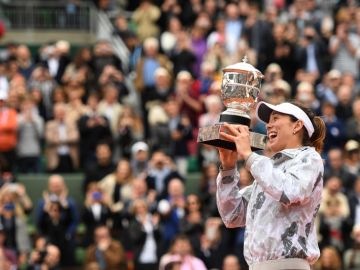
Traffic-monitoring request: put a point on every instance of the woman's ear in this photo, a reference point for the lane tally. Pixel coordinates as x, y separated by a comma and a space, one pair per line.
298, 126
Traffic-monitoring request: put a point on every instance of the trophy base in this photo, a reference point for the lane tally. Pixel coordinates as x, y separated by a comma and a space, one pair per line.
211, 135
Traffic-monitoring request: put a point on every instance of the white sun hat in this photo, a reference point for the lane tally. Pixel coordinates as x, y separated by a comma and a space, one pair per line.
264, 110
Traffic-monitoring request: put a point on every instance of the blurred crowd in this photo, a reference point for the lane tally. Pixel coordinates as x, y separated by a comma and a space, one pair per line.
63, 112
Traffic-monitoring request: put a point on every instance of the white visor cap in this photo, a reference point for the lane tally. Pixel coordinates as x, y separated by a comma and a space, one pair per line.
264, 110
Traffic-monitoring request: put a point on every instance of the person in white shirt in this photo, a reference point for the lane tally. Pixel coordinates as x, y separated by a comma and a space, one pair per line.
279, 208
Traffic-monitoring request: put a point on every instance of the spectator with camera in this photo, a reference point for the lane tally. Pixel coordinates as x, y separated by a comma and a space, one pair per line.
95, 212
13, 219
111, 75
103, 55
48, 259
130, 129
161, 171
344, 48
57, 218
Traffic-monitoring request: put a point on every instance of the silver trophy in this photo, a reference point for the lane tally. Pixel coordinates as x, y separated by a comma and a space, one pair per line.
240, 88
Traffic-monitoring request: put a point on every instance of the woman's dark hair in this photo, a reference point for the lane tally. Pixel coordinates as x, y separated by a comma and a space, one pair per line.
317, 139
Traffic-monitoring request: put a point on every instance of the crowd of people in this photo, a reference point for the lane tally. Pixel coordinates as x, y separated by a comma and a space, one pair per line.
63, 113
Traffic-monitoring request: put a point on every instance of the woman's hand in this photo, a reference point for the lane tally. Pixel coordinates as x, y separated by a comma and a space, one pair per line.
228, 158
240, 135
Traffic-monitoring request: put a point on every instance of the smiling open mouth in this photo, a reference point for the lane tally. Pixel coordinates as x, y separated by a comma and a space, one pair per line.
272, 135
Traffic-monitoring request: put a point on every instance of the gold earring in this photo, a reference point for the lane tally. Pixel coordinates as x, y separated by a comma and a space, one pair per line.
294, 132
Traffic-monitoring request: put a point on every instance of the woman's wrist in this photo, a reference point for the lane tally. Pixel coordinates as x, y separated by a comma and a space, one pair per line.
226, 167
247, 155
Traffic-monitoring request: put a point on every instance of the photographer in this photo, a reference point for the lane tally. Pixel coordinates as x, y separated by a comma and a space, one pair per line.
47, 259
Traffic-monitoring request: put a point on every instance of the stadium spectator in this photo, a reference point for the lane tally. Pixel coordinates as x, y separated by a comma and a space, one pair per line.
93, 128
208, 188
352, 255
102, 167
354, 202
139, 158
335, 224
130, 129
78, 72
8, 131
117, 188
62, 139
330, 259
106, 252
344, 47
148, 63
95, 211
48, 259
57, 218
145, 17
231, 262
193, 222
103, 55
25, 63
13, 220
30, 134
182, 55
145, 236
181, 249
335, 166
352, 157
110, 107
335, 132
353, 124
161, 171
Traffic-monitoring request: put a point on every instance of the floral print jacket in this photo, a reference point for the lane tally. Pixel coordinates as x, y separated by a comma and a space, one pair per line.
279, 208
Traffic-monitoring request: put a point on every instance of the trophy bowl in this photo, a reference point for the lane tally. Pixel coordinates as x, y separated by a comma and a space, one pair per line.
240, 89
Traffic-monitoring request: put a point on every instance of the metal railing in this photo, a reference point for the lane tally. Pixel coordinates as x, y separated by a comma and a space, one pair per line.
54, 15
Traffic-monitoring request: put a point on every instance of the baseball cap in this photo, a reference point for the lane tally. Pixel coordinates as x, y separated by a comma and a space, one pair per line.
139, 146
334, 74
263, 111
352, 145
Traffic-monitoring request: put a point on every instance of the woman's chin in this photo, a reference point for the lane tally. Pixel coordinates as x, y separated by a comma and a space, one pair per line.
274, 146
